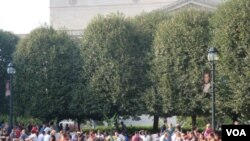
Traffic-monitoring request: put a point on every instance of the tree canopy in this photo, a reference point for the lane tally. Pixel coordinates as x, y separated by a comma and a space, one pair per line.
115, 65
48, 69
180, 49
231, 35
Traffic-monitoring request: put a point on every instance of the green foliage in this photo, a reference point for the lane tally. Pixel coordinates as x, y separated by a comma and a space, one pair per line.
231, 32
26, 120
47, 62
3, 118
130, 129
8, 43
107, 129
148, 22
110, 121
186, 122
180, 48
115, 65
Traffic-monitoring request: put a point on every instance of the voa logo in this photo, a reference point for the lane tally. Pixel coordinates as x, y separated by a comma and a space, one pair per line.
236, 132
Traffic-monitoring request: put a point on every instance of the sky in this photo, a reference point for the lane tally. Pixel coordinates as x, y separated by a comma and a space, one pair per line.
22, 16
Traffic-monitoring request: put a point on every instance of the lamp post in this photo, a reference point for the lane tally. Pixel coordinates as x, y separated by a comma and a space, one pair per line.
212, 57
11, 70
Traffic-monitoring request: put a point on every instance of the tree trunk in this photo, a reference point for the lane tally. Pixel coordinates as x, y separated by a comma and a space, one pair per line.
47, 120
58, 121
78, 125
193, 121
156, 122
234, 116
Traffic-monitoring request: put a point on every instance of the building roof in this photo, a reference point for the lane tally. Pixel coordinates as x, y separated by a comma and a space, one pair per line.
207, 4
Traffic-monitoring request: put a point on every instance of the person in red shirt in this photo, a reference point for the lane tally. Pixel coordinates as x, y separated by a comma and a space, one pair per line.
17, 132
92, 136
208, 130
136, 137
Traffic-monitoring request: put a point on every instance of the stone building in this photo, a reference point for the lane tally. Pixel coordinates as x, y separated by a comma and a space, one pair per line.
74, 15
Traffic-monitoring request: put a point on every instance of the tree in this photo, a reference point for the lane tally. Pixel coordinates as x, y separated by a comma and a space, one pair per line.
148, 23
114, 66
180, 47
8, 43
48, 70
232, 38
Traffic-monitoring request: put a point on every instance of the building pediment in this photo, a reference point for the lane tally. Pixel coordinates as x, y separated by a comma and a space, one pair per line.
180, 4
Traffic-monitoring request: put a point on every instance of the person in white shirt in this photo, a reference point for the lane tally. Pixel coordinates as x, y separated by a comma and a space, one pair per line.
165, 135
99, 135
33, 136
23, 135
142, 135
47, 136
74, 137
41, 136
121, 137
148, 136
47, 128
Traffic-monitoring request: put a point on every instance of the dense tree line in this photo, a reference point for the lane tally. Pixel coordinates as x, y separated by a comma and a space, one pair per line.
150, 64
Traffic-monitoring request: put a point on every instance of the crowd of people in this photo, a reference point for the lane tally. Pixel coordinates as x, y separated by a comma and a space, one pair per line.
48, 132
171, 133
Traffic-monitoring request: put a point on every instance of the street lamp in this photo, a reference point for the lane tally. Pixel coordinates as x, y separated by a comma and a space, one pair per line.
212, 57
11, 70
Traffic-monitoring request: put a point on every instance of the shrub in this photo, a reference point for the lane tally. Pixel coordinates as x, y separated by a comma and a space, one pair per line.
130, 129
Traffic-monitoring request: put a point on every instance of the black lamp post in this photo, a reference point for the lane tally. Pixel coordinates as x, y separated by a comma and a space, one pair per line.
212, 57
11, 71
